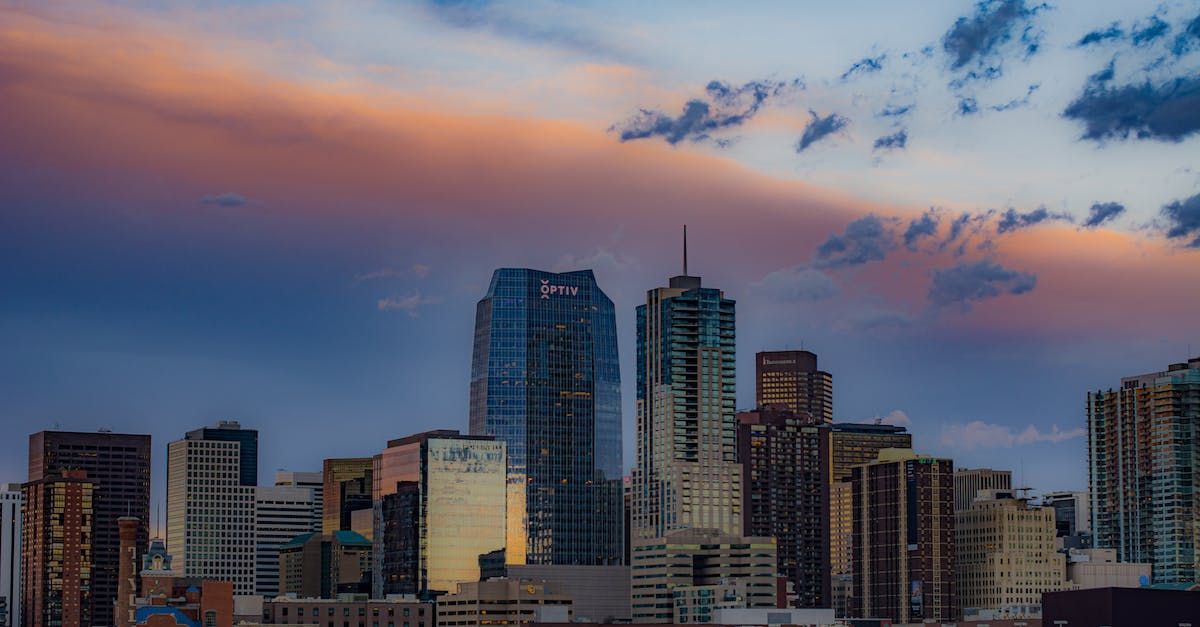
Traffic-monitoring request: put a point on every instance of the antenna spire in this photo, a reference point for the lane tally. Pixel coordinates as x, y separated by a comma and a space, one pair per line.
685, 250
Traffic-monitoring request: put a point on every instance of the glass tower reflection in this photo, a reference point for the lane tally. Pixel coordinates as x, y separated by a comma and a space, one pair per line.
545, 380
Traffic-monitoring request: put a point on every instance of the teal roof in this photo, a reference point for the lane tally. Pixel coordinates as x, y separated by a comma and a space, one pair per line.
298, 541
351, 538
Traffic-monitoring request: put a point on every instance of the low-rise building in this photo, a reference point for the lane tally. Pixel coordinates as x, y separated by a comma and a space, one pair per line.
1099, 568
599, 594
696, 604
348, 611
504, 602
1144, 607
319, 566
700, 557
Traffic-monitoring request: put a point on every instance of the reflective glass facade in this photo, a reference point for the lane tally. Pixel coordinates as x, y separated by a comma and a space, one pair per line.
545, 380
440, 501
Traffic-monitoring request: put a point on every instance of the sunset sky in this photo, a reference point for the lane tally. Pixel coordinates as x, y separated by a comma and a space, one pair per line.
284, 213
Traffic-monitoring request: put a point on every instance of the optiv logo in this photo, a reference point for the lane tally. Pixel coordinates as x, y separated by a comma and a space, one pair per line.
566, 290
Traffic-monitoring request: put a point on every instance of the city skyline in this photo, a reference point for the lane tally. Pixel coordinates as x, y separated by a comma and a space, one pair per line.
229, 230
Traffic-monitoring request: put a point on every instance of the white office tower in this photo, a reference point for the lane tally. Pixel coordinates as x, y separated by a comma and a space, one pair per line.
210, 514
314, 481
280, 514
11, 500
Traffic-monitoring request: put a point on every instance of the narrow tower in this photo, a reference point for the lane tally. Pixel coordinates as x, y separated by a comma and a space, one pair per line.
127, 529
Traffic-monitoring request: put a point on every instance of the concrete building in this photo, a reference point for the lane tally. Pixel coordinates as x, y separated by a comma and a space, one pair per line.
323, 566
118, 465
776, 616
440, 501
12, 502
599, 594
968, 482
785, 484
904, 538
700, 557
210, 511
696, 604
1143, 461
347, 488
503, 602
1099, 568
545, 380
1005, 556
348, 610
687, 473
848, 445
247, 440
314, 481
792, 381
57, 552
1072, 515
280, 514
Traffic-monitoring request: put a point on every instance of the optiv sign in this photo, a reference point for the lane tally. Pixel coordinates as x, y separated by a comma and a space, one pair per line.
566, 290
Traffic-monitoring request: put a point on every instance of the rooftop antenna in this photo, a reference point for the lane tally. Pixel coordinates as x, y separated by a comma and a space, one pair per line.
685, 250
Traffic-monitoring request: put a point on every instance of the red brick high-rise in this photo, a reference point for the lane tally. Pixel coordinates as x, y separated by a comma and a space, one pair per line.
791, 380
56, 551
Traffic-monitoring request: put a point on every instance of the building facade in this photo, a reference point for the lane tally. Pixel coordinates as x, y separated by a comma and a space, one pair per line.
314, 481
319, 566
785, 484
1099, 568
791, 380
599, 594
57, 558
1005, 555
339, 612
904, 539
347, 489
700, 557
968, 482
687, 473
12, 502
1143, 461
210, 512
440, 503
119, 467
545, 380
280, 514
848, 445
247, 439
1072, 513
503, 602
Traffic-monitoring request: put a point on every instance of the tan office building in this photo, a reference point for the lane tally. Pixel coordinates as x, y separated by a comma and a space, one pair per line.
504, 602
969, 481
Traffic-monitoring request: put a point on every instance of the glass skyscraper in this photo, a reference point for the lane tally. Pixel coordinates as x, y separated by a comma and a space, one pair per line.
545, 380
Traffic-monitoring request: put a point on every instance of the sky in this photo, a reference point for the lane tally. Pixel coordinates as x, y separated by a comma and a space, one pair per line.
283, 213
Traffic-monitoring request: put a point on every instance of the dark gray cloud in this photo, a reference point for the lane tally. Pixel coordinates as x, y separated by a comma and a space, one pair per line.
1012, 220
1168, 111
1017, 103
1113, 32
967, 106
723, 106
227, 199
896, 111
819, 128
796, 284
979, 39
918, 228
866, 65
897, 140
972, 281
1102, 212
1183, 217
1149, 31
864, 240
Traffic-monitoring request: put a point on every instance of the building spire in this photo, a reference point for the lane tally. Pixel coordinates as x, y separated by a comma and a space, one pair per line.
685, 250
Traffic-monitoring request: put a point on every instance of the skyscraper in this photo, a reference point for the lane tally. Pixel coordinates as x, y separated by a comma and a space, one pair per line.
687, 472
347, 489
11, 504
791, 380
1143, 464
969, 481
441, 501
314, 481
57, 546
545, 380
280, 514
849, 445
232, 431
786, 487
1071, 513
210, 512
904, 538
118, 466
